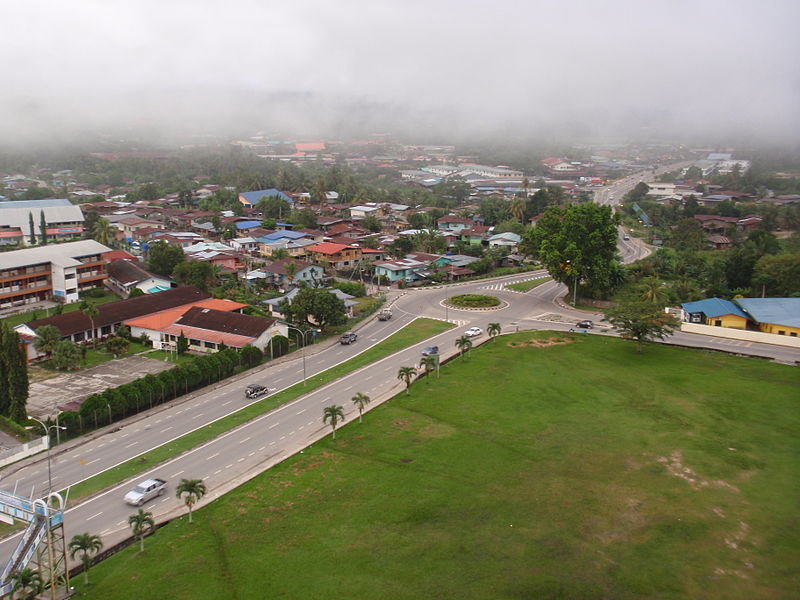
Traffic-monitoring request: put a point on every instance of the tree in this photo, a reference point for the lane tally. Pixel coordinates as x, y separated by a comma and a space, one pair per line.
66, 355
575, 243
42, 228
27, 580
193, 490
518, 206
117, 345
291, 269
641, 321
135, 293
429, 364
371, 223
86, 544
47, 336
333, 414
360, 400
14, 382
182, 345
250, 356
273, 207
91, 311
419, 220
140, 524
124, 331
164, 257
778, 275
464, 344
638, 193
201, 274
33, 231
407, 374
104, 232
315, 306
653, 291
493, 330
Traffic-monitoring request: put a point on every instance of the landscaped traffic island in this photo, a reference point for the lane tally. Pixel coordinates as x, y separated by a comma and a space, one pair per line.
661, 475
473, 301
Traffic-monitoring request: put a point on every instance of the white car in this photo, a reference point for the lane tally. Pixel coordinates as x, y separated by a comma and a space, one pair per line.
473, 331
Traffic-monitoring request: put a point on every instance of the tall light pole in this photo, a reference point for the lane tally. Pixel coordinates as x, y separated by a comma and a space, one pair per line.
47, 433
303, 336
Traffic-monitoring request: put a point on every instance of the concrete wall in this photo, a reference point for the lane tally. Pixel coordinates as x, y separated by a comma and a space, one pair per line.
740, 334
23, 451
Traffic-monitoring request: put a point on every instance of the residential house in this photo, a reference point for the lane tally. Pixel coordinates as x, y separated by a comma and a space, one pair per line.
338, 256
475, 235
454, 223
308, 273
506, 239
125, 275
403, 269
244, 244
250, 199
274, 304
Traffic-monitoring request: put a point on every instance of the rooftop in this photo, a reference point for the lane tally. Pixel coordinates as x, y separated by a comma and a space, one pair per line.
60, 254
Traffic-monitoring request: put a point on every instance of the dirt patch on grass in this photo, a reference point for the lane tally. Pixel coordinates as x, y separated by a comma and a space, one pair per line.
435, 431
675, 467
540, 343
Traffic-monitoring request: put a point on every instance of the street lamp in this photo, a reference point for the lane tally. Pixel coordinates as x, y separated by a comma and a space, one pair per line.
303, 336
47, 429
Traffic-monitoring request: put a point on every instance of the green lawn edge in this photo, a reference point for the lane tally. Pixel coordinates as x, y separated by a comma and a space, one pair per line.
526, 286
418, 330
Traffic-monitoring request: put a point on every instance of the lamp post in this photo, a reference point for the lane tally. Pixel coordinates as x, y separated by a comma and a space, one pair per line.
47, 433
303, 336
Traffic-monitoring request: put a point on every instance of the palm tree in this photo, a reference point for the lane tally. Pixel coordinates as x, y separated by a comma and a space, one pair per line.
26, 580
141, 523
429, 363
463, 344
334, 414
194, 489
291, 270
654, 291
518, 206
526, 186
47, 336
493, 329
91, 311
406, 374
104, 232
360, 400
86, 544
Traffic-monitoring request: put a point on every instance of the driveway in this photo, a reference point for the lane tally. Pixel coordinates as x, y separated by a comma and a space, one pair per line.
45, 396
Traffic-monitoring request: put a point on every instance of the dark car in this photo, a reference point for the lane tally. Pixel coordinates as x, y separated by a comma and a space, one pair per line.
348, 338
255, 390
584, 324
430, 350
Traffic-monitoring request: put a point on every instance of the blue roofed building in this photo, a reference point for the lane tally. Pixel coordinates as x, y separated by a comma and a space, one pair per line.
780, 316
715, 311
250, 199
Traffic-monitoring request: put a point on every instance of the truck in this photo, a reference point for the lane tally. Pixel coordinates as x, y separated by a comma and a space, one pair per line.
384, 315
145, 490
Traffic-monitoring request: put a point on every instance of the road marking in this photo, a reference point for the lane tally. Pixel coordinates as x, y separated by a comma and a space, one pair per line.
93, 516
198, 415
175, 474
226, 403
348, 388
291, 433
273, 425
132, 444
213, 456
120, 523
251, 454
164, 500
301, 427
245, 440
301, 412
240, 460
218, 471
89, 463
158, 421
272, 443
283, 437
124, 435
229, 466
261, 449
167, 429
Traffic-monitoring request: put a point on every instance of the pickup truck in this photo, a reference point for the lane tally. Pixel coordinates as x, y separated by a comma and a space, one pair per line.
145, 491
384, 315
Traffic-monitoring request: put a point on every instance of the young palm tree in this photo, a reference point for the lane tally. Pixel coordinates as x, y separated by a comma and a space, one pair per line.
193, 489
406, 374
291, 270
429, 363
26, 580
334, 414
141, 523
86, 544
360, 400
91, 311
103, 231
463, 344
518, 208
493, 329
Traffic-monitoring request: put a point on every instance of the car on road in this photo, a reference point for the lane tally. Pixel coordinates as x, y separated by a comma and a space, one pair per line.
384, 315
348, 338
145, 490
430, 350
473, 332
625, 236
255, 390
584, 324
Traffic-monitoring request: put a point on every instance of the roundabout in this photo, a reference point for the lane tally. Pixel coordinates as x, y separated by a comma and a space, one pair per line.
473, 302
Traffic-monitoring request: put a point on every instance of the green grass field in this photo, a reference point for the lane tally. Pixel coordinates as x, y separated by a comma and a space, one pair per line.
572, 470
42, 314
526, 286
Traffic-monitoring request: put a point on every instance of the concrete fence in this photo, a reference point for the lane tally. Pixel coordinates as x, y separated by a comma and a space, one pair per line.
12, 455
742, 334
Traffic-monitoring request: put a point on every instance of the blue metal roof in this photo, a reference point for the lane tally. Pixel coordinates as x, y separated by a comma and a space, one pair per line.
714, 307
777, 311
247, 224
284, 234
254, 197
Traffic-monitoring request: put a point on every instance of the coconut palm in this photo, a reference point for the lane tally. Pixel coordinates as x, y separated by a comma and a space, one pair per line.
493, 329
407, 374
429, 364
141, 523
47, 336
86, 544
334, 414
291, 270
654, 291
193, 489
104, 232
91, 311
26, 580
463, 344
518, 206
360, 400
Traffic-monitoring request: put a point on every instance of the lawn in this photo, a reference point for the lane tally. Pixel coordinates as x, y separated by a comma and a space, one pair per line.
671, 474
14, 320
97, 356
526, 286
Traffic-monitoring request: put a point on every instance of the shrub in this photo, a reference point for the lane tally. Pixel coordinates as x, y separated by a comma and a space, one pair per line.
474, 300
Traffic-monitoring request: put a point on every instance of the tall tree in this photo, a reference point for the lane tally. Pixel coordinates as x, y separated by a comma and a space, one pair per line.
33, 231
464, 344
182, 345
333, 414
429, 364
47, 336
5, 372
104, 232
87, 544
493, 330
16, 384
360, 400
42, 228
66, 355
91, 312
140, 524
163, 257
407, 374
191, 490
203, 275
641, 321
317, 305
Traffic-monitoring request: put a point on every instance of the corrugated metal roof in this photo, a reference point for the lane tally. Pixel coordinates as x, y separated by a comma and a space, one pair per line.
17, 213
60, 254
777, 311
714, 307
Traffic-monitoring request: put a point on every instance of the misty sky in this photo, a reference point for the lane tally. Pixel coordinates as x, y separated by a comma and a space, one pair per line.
723, 68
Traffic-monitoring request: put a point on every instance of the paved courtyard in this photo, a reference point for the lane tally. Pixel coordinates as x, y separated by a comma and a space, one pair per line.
47, 395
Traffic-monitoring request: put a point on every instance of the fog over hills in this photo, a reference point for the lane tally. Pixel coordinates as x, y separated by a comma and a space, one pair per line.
720, 70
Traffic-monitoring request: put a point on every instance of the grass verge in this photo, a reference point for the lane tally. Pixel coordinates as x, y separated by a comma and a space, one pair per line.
417, 331
672, 474
526, 286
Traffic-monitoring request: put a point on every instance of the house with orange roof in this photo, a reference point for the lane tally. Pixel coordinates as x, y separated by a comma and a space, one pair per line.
339, 256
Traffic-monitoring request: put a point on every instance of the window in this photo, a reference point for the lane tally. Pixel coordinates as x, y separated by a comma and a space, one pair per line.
793, 334
781, 332
717, 323
69, 276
